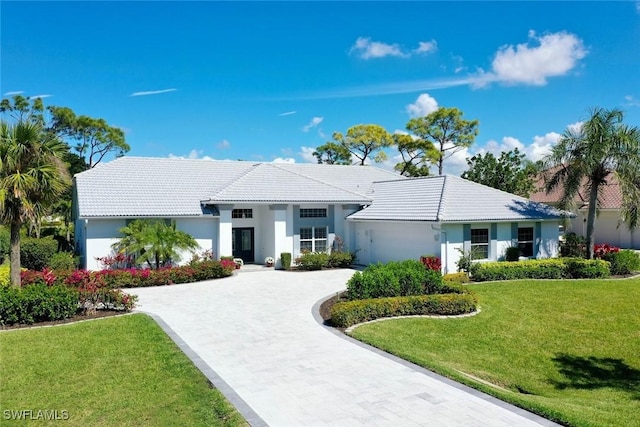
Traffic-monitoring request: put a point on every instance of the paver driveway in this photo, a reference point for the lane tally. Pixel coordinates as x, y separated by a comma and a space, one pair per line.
257, 332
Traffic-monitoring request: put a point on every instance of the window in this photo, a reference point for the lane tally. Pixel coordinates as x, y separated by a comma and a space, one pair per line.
242, 213
525, 241
480, 243
313, 213
313, 239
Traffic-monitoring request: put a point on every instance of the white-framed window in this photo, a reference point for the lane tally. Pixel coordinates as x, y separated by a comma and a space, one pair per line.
313, 239
525, 241
480, 243
313, 212
242, 213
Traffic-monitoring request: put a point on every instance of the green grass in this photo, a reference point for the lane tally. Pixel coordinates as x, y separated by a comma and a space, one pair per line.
568, 350
122, 371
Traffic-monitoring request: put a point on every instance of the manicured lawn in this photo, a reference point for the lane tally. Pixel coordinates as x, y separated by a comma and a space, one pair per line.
568, 350
122, 371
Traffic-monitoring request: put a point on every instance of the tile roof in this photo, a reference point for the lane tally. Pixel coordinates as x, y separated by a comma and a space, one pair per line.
610, 194
449, 199
138, 186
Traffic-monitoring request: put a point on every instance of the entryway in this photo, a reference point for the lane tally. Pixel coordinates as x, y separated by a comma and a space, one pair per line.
243, 244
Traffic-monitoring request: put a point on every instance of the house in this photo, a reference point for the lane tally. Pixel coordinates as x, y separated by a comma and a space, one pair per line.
608, 227
254, 210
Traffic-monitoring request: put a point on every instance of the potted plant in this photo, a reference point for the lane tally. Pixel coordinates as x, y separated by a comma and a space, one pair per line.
269, 261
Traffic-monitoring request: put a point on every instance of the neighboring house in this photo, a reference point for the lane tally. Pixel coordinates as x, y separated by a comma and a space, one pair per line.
608, 228
254, 210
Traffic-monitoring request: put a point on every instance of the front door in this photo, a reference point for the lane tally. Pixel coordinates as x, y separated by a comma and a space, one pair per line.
242, 244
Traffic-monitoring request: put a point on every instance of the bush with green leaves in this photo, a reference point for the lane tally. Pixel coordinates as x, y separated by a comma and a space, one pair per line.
62, 261
312, 261
285, 260
555, 268
5, 275
4, 243
36, 254
338, 259
579, 268
573, 246
396, 278
457, 278
624, 262
348, 313
37, 303
512, 253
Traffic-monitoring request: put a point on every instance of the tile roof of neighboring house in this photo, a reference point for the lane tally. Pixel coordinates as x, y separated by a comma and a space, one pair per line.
610, 195
448, 199
138, 186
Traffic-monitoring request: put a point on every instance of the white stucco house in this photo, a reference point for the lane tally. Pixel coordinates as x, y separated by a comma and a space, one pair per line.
254, 210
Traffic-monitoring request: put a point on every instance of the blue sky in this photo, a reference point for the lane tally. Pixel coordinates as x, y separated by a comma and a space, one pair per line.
271, 81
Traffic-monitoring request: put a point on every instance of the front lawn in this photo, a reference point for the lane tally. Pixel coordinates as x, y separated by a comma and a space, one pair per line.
568, 350
122, 371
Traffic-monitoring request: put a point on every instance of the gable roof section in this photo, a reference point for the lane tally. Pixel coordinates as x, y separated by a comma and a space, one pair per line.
164, 187
610, 196
449, 199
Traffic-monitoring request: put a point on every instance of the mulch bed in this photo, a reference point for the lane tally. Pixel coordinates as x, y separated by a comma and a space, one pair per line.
78, 317
325, 307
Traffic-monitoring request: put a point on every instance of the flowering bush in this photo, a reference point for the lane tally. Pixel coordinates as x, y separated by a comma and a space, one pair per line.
599, 251
431, 262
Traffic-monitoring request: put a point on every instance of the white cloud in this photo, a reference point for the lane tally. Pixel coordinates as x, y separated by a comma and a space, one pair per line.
313, 123
193, 155
153, 92
40, 96
288, 113
224, 144
284, 160
425, 104
553, 55
426, 47
307, 154
365, 48
541, 146
575, 127
13, 92
631, 101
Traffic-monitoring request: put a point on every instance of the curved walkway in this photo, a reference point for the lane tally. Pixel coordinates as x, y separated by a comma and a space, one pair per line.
255, 337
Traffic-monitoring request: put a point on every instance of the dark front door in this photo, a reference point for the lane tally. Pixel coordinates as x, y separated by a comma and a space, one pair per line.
243, 244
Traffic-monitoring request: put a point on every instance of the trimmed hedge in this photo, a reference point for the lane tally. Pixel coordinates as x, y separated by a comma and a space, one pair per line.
318, 260
556, 268
459, 278
35, 254
37, 303
348, 313
394, 279
285, 260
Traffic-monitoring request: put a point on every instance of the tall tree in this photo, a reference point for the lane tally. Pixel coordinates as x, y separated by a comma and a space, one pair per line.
586, 156
446, 130
154, 242
365, 141
20, 109
333, 154
32, 178
417, 154
95, 138
511, 172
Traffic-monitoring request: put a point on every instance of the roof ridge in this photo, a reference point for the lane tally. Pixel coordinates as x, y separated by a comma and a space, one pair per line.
239, 177
275, 165
441, 203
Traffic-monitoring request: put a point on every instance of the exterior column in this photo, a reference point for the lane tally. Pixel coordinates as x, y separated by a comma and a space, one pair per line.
225, 234
280, 241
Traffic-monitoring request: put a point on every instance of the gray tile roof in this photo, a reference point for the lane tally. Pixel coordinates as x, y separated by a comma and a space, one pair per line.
138, 186
448, 199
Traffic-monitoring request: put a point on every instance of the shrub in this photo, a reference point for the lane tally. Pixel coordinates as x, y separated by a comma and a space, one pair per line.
529, 269
599, 251
5, 275
4, 243
623, 262
35, 254
578, 268
459, 278
396, 278
431, 262
312, 261
285, 260
465, 262
62, 261
573, 246
512, 253
340, 259
348, 313
37, 303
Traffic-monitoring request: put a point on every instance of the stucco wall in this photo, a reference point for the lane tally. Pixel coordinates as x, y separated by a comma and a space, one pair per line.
607, 229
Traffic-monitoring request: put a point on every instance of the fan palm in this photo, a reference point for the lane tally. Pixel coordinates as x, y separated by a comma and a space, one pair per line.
587, 155
32, 178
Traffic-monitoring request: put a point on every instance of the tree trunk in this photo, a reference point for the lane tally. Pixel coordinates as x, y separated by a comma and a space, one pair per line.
14, 254
591, 219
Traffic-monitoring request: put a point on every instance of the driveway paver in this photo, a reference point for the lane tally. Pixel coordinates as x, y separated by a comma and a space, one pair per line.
255, 333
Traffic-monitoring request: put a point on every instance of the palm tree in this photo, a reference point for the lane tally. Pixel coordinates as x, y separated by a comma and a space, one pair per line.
32, 178
585, 156
154, 242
